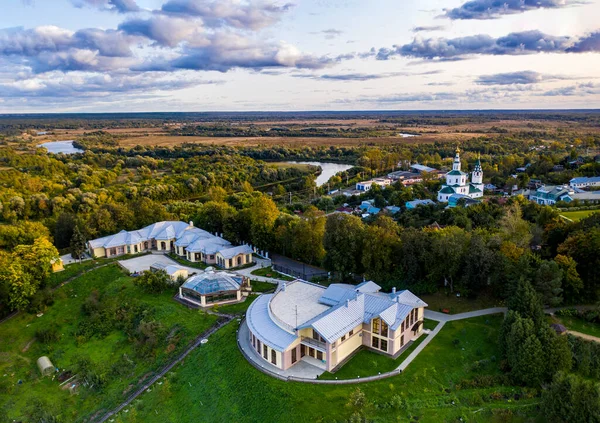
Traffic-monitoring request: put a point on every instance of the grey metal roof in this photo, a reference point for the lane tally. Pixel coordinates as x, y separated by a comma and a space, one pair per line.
234, 251
336, 293
368, 286
264, 328
350, 307
212, 282
209, 245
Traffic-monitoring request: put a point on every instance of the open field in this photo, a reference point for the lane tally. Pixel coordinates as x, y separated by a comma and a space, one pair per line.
216, 384
576, 216
113, 356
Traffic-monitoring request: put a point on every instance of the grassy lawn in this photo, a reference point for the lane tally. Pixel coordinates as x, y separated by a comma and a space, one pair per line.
430, 324
267, 272
258, 286
579, 325
184, 262
239, 308
216, 384
19, 349
576, 216
368, 363
440, 301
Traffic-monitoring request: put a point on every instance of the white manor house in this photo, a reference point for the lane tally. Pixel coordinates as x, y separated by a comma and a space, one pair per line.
457, 182
183, 239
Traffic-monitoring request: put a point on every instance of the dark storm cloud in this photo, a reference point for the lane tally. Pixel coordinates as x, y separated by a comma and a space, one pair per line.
491, 9
238, 14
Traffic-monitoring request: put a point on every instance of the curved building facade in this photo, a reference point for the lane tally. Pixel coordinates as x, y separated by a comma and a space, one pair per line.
325, 325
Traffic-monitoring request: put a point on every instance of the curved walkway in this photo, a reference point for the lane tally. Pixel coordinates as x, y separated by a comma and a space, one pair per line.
584, 336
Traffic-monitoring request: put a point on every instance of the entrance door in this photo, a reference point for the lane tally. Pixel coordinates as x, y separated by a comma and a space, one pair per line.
302, 350
311, 352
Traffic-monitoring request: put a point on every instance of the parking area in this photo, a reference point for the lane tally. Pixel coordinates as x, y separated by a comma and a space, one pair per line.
139, 264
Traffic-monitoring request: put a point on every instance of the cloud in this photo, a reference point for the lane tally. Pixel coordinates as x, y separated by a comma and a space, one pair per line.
252, 15
590, 43
165, 30
84, 85
428, 28
516, 43
359, 77
121, 6
522, 77
492, 9
330, 33
579, 90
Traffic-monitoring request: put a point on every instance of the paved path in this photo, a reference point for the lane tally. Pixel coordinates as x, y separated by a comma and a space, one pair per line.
421, 346
584, 336
443, 317
260, 263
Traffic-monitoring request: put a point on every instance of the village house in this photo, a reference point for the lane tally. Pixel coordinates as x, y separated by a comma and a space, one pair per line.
183, 239
367, 185
303, 321
584, 182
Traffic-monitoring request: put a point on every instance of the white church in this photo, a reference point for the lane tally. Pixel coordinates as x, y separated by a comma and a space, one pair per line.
457, 182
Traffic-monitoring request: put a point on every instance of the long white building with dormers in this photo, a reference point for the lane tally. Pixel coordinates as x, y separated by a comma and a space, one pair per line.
457, 182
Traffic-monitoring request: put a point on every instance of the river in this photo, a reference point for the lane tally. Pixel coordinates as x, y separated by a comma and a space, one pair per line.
327, 170
65, 147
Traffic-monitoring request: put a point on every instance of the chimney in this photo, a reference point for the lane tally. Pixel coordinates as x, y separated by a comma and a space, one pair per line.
191, 223
347, 303
393, 290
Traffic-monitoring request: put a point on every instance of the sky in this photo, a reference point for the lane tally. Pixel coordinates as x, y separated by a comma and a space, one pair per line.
262, 55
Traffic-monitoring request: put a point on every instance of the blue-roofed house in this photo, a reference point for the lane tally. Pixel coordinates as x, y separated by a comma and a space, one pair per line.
585, 182
410, 205
455, 199
303, 321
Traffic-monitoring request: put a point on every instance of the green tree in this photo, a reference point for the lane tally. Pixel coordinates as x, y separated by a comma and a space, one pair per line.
343, 242
213, 215
78, 245
262, 214
526, 302
63, 230
571, 281
571, 399
548, 282
153, 282
381, 250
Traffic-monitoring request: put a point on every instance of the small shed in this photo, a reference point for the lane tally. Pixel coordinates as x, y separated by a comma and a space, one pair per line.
559, 329
45, 365
174, 271
57, 265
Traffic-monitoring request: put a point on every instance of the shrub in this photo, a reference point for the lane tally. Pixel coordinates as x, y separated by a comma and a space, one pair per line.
47, 335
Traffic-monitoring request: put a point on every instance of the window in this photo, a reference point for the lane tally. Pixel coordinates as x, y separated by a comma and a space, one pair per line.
253, 341
265, 352
273, 357
294, 355
343, 338
375, 342
128, 249
258, 346
402, 327
351, 333
319, 355
384, 345
375, 325
384, 328
402, 341
135, 248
